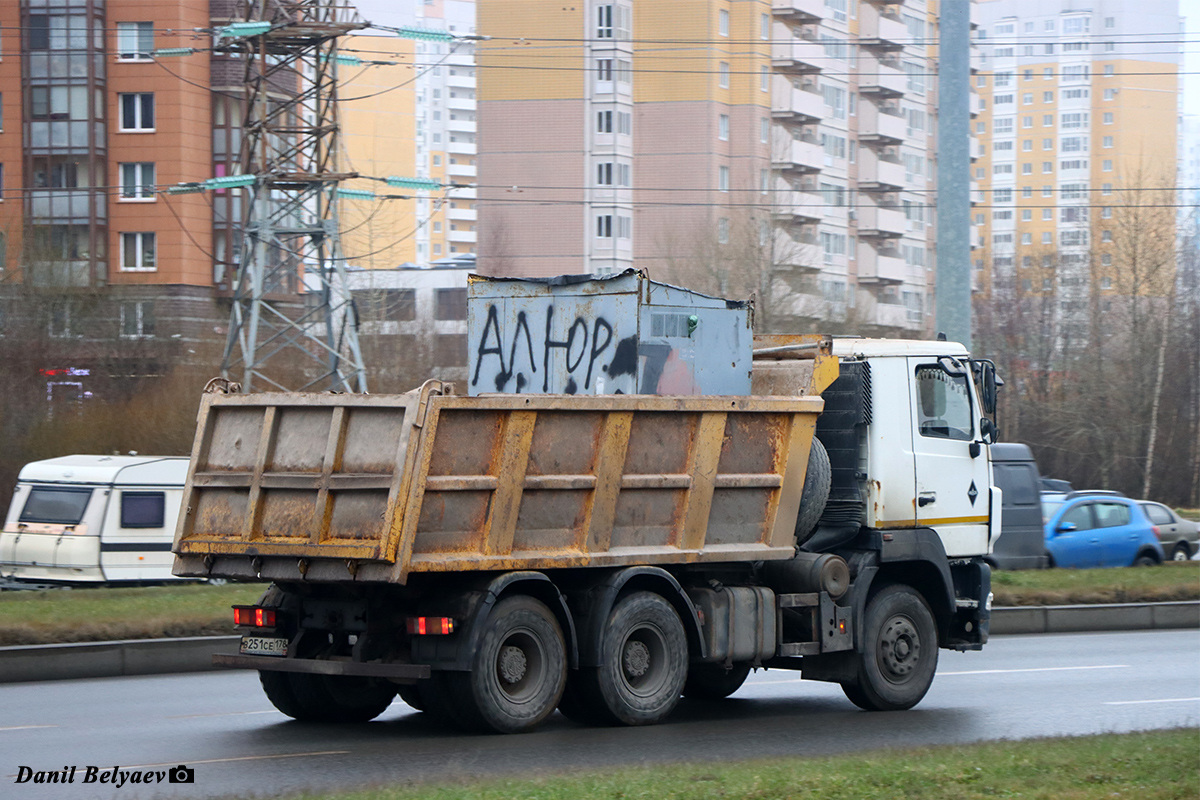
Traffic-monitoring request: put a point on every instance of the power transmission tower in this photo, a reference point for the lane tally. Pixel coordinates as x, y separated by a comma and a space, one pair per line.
289, 169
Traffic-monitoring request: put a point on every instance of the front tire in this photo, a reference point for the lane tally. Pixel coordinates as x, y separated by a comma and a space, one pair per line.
713, 681
900, 636
1181, 553
519, 671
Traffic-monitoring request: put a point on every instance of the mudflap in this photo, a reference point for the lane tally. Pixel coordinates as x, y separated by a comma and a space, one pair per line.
973, 604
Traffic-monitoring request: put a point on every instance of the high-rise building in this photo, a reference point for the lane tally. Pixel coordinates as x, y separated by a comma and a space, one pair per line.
1079, 166
780, 148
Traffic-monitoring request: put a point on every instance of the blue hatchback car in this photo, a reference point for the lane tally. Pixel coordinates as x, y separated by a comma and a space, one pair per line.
1099, 531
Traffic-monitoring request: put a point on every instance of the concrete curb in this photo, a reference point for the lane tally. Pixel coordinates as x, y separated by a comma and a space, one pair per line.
194, 653
1108, 617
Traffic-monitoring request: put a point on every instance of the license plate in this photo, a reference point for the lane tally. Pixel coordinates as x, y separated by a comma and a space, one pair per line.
264, 646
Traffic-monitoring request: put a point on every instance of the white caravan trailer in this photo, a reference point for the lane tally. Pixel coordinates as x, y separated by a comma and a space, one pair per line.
93, 519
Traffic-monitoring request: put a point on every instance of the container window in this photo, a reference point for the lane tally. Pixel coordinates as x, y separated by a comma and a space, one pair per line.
56, 506
143, 509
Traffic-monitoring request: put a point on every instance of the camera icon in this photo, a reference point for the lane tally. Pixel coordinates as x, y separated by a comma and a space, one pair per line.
181, 774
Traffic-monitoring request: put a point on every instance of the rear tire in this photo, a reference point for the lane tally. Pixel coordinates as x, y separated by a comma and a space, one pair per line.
279, 691
326, 698
900, 637
713, 681
581, 701
1145, 561
356, 699
817, 481
519, 671
644, 660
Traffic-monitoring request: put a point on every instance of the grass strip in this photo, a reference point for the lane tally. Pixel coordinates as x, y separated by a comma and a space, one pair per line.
1051, 587
103, 613
1156, 765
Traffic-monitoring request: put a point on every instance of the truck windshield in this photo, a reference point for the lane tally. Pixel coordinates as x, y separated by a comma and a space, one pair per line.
57, 506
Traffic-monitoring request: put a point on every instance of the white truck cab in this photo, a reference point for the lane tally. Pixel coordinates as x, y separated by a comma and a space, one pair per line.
93, 519
927, 463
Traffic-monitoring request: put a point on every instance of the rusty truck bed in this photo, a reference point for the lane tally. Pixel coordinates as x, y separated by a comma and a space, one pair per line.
373, 488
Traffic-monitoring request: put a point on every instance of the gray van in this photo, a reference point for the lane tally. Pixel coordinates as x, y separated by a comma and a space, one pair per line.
1022, 542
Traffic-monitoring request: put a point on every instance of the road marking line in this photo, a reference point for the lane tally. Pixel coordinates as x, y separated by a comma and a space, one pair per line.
1142, 702
224, 714
26, 727
1033, 669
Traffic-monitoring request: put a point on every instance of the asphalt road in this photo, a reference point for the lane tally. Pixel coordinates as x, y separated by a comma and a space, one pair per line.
222, 726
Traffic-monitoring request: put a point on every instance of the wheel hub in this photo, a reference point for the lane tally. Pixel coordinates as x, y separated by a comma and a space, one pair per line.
636, 659
512, 664
899, 647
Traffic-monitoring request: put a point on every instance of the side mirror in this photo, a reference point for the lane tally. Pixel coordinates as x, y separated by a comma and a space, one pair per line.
987, 430
1066, 527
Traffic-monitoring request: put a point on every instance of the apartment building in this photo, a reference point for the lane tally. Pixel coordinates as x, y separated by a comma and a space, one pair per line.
783, 148
415, 119
90, 126
1079, 135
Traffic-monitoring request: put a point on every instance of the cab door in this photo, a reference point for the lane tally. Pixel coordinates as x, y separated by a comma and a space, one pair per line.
953, 487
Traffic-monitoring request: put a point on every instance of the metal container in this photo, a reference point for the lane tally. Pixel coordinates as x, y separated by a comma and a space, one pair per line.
589, 334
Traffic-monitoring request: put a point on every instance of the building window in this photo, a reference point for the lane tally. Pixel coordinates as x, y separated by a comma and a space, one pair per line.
764, 23
1047, 144
764, 180
1107, 166
764, 130
1026, 122
1047, 213
624, 71
604, 226
1106, 236
1027, 216
1109, 70
137, 181
1047, 237
138, 252
764, 79
624, 227
723, 230
723, 127
723, 179
1106, 212
604, 120
1047, 191
1110, 47
1106, 188
1047, 73
1002, 125
450, 304
624, 123
135, 41
604, 74
1110, 94
1027, 169
1108, 118
604, 22
723, 22
137, 320
1048, 120
624, 175
723, 75
1027, 99
1026, 191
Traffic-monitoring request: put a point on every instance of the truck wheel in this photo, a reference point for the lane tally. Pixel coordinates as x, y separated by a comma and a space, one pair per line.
356, 699
644, 660
581, 701
713, 681
278, 689
817, 480
519, 671
900, 638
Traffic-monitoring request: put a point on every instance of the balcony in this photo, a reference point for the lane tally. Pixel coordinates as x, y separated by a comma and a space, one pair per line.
879, 30
792, 105
799, 11
465, 214
460, 103
881, 78
878, 266
976, 104
797, 57
460, 79
891, 315
881, 221
799, 207
879, 173
876, 125
461, 170
461, 148
461, 125
797, 155
461, 236
975, 148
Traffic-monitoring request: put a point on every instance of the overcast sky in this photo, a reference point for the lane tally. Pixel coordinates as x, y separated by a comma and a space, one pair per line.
1191, 56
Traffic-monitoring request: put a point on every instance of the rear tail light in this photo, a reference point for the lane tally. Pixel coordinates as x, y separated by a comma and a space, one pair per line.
424, 626
253, 617
1157, 534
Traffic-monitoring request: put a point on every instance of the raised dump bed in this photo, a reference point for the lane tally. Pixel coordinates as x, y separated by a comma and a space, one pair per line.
365, 488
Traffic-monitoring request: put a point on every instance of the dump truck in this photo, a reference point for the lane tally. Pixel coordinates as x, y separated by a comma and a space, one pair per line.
612, 543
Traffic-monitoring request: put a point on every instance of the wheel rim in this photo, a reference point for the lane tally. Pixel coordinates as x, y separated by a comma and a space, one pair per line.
644, 667
520, 666
1180, 556
899, 651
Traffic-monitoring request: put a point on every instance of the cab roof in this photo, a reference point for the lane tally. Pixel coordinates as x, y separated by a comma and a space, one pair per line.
878, 348
108, 470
